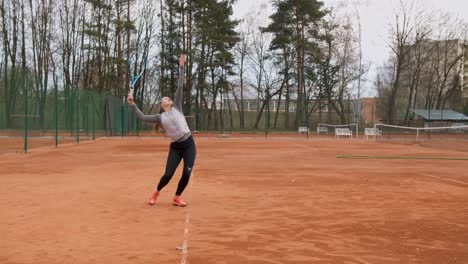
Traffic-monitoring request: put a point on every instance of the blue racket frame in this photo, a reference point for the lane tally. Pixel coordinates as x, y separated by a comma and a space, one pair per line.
134, 78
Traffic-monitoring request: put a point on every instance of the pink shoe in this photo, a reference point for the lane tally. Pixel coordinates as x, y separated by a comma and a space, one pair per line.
153, 197
178, 201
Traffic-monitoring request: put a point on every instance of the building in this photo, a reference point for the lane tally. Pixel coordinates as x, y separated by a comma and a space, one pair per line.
465, 71
440, 117
434, 75
369, 114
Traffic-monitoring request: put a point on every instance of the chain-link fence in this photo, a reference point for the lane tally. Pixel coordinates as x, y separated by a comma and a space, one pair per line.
32, 117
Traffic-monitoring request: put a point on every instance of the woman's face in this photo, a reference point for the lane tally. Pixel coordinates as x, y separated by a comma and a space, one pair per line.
166, 101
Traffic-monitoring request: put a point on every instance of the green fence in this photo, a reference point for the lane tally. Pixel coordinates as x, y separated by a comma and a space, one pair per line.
31, 117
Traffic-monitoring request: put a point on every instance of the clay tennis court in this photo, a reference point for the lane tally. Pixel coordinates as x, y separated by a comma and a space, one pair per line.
252, 200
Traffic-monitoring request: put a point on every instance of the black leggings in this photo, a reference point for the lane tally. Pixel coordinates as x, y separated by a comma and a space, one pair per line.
179, 150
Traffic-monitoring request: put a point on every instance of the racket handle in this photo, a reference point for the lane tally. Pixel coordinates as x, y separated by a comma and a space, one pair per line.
131, 92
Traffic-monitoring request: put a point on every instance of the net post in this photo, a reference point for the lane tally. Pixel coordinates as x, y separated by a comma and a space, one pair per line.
417, 135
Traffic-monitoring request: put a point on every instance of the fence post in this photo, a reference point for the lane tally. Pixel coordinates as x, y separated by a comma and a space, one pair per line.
77, 117
122, 117
25, 121
93, 110
56, 116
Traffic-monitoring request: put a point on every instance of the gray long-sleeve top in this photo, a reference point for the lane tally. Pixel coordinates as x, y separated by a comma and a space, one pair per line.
173, 121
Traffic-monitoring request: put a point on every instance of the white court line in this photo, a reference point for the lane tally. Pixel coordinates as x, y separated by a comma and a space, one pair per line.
187, 225
441, 178
307, 146
65, 145
186, 235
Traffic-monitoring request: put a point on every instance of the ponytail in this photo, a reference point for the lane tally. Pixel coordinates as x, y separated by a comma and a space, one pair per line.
157, 126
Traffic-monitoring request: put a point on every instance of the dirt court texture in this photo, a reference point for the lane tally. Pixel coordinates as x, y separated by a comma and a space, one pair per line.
251, 200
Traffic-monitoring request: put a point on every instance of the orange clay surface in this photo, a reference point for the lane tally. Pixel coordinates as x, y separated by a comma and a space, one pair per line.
251, 200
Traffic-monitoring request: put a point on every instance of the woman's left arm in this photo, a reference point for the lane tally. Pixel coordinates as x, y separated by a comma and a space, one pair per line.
179, 96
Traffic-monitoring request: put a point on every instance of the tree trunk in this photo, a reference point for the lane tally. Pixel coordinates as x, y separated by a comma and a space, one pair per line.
5, 59
190, 55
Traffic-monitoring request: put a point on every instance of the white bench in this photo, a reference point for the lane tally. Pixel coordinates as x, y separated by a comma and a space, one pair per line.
303, 130
343, 132
458, 127
373, 131
322, 129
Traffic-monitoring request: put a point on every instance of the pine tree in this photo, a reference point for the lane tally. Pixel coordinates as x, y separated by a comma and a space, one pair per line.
215, 38
296, 24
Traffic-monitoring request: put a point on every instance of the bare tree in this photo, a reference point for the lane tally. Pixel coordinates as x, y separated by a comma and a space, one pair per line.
144, 33
242, 50
4, 11
41, 30
258, 56
70, 13
273, 84
383, 83
451, 37
428, 60
401, 36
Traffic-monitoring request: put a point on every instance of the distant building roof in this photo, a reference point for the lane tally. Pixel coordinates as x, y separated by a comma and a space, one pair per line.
437, 115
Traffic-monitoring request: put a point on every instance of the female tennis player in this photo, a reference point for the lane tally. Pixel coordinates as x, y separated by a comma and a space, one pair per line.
182, 144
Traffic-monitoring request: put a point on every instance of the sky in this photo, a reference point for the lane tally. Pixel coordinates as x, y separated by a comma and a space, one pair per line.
376, 17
